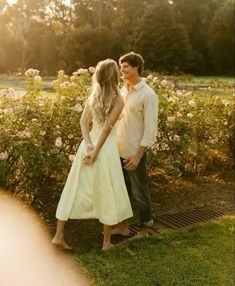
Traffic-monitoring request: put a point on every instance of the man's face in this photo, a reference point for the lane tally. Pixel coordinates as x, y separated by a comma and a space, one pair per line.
127, 71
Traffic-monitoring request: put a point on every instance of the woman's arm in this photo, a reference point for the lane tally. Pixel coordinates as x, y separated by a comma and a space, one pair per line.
84, 123
113, 117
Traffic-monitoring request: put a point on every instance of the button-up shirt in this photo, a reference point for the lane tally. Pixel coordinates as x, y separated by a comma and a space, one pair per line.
137, 125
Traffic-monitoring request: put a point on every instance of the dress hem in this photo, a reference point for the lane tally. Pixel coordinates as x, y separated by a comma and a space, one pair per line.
118, 221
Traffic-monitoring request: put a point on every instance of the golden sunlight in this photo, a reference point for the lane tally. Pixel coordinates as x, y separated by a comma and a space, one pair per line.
10, 2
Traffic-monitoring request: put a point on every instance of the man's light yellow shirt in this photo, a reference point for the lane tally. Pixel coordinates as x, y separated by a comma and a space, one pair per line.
137, 125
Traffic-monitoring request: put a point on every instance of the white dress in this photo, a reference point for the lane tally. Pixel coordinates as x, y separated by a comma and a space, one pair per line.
96, 191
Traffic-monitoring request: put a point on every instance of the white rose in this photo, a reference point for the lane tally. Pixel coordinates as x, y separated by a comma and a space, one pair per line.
170, 118
29, 72
163, 82
178, 114
73, 84
65, 85
3, 156
172, 99
192, 103
78, 107
179, 92
72, 158
82, 71
36, 72
73, 78
189, 115
155, 79
91, 69
42, 133
11, 90
8, 110
176, 138
27, 134
37, 78
225, 102
3, 92
164, 146
58, 142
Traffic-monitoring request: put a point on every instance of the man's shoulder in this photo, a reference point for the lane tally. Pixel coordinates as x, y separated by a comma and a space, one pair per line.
148, 91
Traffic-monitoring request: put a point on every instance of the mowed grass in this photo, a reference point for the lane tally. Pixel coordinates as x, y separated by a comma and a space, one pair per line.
200, 255
19, 82
216, 83
207, 80
201, 85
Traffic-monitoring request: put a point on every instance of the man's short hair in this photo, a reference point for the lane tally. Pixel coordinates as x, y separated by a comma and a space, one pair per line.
134, 60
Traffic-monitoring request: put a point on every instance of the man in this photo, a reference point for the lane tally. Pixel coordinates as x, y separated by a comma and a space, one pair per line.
136, 132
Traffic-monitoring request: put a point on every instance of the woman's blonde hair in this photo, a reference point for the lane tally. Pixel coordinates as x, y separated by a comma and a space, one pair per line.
104, 89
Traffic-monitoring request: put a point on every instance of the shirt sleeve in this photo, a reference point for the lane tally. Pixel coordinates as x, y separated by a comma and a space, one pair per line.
150, 120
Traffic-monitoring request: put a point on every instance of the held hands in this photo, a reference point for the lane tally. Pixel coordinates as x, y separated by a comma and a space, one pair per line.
132, 162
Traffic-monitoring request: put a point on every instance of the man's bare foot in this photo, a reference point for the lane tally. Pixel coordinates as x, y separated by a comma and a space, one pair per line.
120, 231
106, 246
61, 244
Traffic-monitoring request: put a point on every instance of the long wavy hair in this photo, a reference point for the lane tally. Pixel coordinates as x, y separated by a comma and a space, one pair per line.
104, 89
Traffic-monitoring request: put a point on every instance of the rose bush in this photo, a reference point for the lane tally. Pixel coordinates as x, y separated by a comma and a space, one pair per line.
195, 131
40, 133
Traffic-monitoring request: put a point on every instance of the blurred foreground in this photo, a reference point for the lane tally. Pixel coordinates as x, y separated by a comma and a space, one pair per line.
26, 255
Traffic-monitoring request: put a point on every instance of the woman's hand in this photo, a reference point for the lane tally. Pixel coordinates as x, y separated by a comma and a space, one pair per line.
90, 147
90, 158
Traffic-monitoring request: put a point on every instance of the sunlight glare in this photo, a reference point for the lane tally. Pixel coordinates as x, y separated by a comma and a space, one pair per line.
11, 2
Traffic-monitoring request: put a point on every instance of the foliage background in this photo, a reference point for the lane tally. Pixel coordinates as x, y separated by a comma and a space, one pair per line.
190, 36
40, 133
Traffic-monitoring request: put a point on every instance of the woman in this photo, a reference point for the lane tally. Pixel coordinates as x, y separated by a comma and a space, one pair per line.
95, 186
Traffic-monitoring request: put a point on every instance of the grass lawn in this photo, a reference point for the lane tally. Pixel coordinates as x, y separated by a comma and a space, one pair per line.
189, 82
218, 85
19, 82
197, 256
211, 81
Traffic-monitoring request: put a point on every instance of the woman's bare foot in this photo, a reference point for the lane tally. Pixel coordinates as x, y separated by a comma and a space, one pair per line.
120, 231
60, 243
107, 246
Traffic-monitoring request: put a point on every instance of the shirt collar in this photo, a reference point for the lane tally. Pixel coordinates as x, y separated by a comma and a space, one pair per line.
138, 85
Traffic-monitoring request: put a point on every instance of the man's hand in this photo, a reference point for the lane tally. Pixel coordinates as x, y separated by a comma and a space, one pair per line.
131, 163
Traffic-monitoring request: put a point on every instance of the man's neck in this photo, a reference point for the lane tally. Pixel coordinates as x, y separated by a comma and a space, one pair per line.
133, 81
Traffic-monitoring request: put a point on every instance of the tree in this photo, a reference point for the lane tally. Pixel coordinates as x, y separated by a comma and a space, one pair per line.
196, 16
221, 39
162, 41
22, 18
94, 44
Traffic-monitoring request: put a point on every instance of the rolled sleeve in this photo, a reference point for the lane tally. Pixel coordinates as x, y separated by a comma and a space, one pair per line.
150, 120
